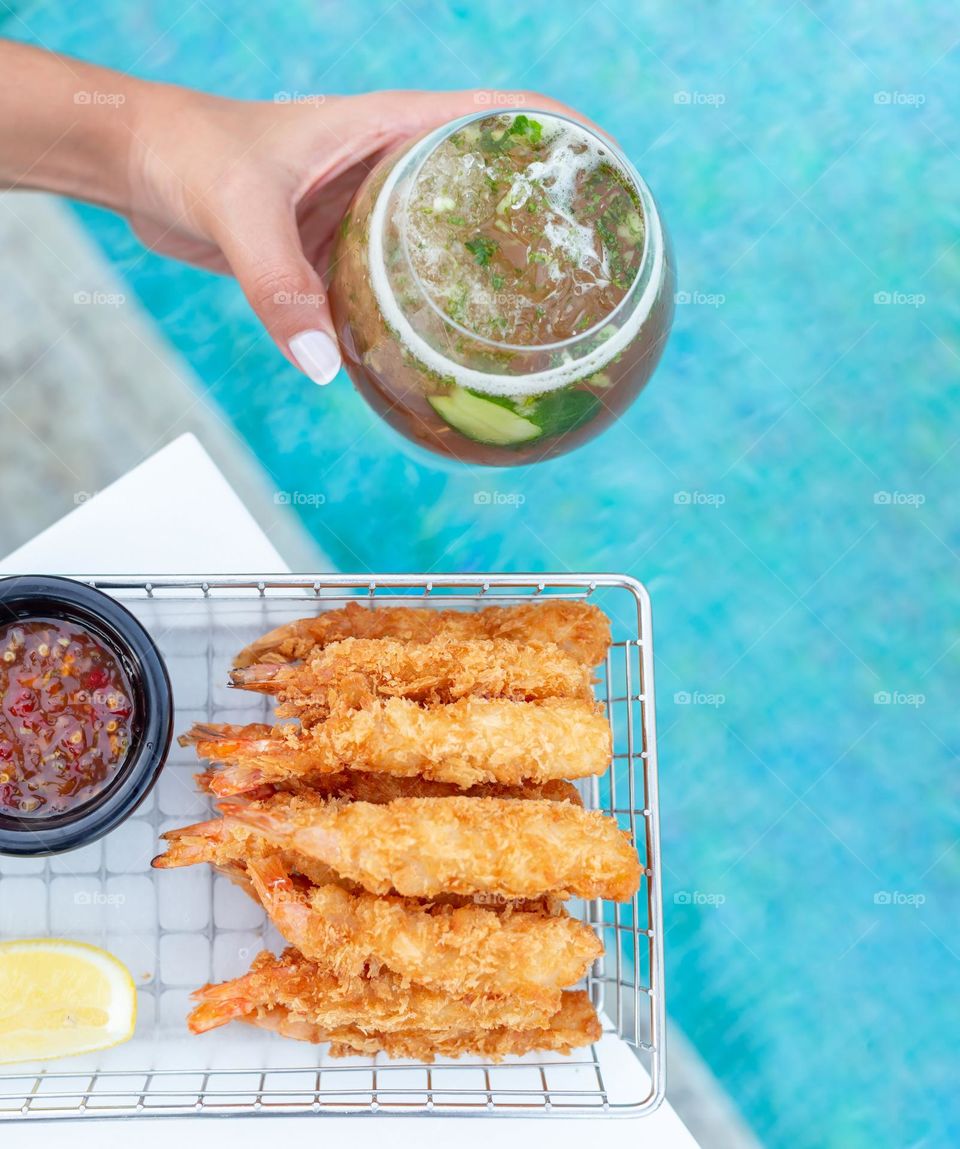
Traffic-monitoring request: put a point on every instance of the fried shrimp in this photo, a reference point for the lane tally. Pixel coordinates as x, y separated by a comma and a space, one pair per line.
578, 628
575, 1024
231, 848
411, 824
467, 742
355, 786
382, 1004
468, 949
352, 673
293, 997
421, 847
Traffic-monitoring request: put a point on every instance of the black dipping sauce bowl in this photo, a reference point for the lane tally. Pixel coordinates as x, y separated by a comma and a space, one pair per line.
27, 597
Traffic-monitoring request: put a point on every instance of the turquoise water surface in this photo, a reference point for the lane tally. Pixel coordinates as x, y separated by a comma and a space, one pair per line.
786, 487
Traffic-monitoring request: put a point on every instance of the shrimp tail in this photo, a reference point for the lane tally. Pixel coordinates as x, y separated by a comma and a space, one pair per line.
260, 677
234, 779
221, 743
207, 779
218, 1004
189, 844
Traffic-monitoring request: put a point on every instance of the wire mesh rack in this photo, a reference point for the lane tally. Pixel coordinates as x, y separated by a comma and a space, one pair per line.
178, 929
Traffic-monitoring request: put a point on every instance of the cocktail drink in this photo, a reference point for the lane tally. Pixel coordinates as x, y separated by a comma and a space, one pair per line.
502, 287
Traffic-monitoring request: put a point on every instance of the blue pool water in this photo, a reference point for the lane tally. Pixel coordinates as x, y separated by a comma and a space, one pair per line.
810, 826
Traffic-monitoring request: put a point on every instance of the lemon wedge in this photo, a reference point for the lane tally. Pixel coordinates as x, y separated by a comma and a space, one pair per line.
60, 997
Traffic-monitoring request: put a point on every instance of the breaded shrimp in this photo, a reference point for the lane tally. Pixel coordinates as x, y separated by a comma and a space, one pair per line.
355, 786
576, 627
422, 847
466, 743
575, 1024
380, 1004
467, 950
352, 673
229, 849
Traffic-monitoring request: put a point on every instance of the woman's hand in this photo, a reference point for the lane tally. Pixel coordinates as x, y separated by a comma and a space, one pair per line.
251, 189
258, 190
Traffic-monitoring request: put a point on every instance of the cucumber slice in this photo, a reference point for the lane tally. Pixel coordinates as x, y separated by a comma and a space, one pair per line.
482, 420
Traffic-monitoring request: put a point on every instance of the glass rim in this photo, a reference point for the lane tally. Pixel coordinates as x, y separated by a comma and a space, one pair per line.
647, 206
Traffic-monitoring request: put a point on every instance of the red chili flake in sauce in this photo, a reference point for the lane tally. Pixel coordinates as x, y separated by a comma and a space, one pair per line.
66, 716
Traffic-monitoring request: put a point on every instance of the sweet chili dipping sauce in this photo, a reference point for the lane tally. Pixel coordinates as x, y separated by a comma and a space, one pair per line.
66, 716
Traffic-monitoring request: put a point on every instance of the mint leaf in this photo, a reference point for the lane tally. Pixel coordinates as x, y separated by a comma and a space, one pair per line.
522, 129
481, 249
530, 130
560, 411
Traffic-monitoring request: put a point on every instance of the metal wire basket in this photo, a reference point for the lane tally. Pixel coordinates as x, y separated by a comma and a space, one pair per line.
178, 929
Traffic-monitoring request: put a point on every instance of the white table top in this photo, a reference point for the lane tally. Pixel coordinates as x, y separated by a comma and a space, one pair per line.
173, 514
176, 514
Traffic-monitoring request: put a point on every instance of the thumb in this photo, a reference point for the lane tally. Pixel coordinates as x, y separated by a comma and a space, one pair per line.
266, 256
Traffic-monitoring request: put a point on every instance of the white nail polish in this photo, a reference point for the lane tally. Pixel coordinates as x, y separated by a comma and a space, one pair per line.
317, 355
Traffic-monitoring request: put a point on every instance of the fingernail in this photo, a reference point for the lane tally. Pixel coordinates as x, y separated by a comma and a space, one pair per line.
317, 355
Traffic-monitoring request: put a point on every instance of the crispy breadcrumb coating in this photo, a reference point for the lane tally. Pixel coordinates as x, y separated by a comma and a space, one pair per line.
356, 786
421, 847
574, 1025
467, 742
463, 950
354, 672
579, 628
230, 849
380, 1004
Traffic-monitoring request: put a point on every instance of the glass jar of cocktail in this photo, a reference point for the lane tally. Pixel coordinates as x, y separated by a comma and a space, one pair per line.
502, 287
